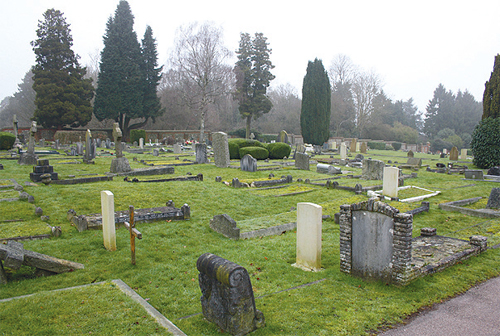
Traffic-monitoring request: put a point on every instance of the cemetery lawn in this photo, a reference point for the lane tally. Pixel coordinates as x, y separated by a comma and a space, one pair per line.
331, 303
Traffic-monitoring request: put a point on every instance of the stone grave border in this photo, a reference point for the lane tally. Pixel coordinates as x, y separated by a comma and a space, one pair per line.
411, 199
121, 285
80, 180
161, 170
456, 206
235, 183
198, 177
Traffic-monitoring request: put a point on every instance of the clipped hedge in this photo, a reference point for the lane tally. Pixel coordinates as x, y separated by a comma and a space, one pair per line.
6, 140
485, 143
279, 150
236, 144
136, 134
396, 145
258, 153
376, 145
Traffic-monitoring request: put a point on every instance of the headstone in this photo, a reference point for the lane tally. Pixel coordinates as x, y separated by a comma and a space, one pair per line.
359, 157
445, 151
390, 183
494, 199
413, 161
454, 154
156, 152
117, 136
29, 157
226, 226
248, 163
135, 144
410, 154
463, 154
283, 136
79, 148
98, 142
363, 148
343, 151
107, 143
302, 161
17, 142
42, 143
177, 148
309, 227
354, 143
201, 153
56, 144
227, 295
119, 164
373, 169
474, 174
494, 171
141, 143
108, 220
358, 146
221, 149
327, 169
88, 148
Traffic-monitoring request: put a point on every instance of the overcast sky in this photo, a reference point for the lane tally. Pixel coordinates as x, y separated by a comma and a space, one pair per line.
412, 45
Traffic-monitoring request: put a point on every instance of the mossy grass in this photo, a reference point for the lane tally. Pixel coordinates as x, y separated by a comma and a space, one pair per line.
166, 273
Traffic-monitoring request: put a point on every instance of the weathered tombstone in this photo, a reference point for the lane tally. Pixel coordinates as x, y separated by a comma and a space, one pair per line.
494, 199
358, 146
177, 148
17, 143
108, 220
88, 148
221, 149
226, 226
42, 168
98, 142
363, 148
454, 154
107, 143
445, 151
413, 161
354, 143
79, 148
56, 144
119, 164
327, 169
463, 154
156, 152
283, 136
248, 163
343, 151
474, 174
373, 169
227, 295
29, 157
309, 226
410, 154
201, 153
141, 143
135, 144
302, 161
390, 183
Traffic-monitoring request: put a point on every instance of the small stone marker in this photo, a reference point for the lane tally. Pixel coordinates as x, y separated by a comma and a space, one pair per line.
226, 226
302, 161
201, 153
410, 154
354, 144
454, 154
494, 199
463, 154
390, 183
227, 295
343, 151
363, 148
309, 226
177, 148
108, 220
221, 149
248, 163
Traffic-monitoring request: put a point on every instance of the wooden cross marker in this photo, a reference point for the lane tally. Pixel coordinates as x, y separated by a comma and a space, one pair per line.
133, 233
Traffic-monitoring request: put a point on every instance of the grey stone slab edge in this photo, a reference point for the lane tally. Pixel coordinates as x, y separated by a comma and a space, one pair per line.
274, 230
132, 294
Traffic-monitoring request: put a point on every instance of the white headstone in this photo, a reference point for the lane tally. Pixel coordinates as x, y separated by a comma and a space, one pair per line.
343, 151
390, 185
141, 143
358, 146
309, 226
463, 154
108, 220
445, 151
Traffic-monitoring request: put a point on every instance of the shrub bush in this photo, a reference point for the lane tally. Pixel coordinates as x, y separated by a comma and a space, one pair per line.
376, 145
237, 143
278, 150
242, 133
7, 140
136, 134
258, 153
485, 143
396, 145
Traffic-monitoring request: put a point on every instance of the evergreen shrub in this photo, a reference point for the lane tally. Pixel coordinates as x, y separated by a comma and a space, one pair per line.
258, 153
7, 140
396, 145
485, 143
376, 145
278, 150
136, 134
236, 143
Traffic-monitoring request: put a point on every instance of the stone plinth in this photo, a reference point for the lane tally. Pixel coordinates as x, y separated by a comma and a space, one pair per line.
120, 165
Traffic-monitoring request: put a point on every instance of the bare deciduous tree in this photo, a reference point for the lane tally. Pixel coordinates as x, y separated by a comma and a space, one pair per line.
366, 85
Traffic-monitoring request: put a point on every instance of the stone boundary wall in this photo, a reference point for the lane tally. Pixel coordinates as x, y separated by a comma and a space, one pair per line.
402, 237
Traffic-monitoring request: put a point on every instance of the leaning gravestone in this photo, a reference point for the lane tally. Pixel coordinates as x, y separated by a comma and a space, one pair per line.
29, 157
327, 169
373, 169
454, 154
302, 161
227, 295
248, 163
119, 164
201, 153
221, 149
494, 199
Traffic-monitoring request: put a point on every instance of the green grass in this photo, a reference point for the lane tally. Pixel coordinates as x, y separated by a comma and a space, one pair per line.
166, 256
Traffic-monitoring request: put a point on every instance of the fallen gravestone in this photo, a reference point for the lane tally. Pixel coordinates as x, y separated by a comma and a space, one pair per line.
227, 295
327, 169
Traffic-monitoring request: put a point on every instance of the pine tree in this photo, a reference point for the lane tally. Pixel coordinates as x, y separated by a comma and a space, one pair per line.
491, 97
121, 81
253, 77
62, 94
151, 103
316, 104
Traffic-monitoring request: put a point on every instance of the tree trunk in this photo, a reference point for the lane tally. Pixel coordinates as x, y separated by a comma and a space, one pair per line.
249, 120
202, 126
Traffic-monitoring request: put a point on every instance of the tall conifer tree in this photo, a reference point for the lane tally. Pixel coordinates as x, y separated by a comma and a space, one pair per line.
62, 94
491, 96
151, 103
316, 104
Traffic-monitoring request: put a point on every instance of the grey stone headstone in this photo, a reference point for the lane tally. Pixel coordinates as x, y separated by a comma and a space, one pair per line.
373, 169
98, 142
327, 169
177, 149
156, 152
226, 226
201, 153
248, 163
79, 148
474, 174
221, 149
494, 199
302, 161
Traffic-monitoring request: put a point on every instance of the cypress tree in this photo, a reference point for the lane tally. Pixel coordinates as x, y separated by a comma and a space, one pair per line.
491, 96
316, 104
121, 80
62, 94
151, 103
